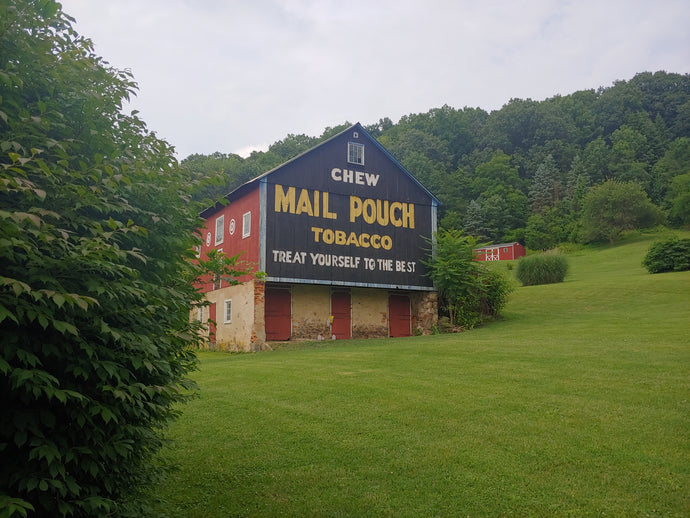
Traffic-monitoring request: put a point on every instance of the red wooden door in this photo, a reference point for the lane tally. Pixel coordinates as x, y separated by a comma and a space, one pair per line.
278, 314
342, 315
399, 315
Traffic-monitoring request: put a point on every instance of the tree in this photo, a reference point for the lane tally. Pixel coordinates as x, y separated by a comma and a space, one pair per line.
674, 162
497, 171
538, 235
577, 181
679, 198
467, 289
595, 157
474, 222
545, 188
96, 269
612, 207
504, 209
628, 158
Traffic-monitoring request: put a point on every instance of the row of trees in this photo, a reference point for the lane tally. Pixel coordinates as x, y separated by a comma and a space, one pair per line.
522, 172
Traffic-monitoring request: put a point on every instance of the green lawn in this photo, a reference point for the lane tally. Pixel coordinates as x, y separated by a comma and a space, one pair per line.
576, 404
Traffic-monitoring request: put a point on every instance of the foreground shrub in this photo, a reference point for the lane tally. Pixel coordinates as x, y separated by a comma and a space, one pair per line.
671, 255
96, 269
468, 290
496, 289
541, 269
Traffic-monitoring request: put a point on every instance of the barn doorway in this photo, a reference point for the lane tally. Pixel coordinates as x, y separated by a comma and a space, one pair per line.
399, 322
341, 309
278, 314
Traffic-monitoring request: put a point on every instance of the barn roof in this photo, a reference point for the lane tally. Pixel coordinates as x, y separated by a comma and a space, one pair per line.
497, 245
254, 182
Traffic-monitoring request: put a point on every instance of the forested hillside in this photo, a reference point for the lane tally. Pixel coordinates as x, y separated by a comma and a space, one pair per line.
523, 172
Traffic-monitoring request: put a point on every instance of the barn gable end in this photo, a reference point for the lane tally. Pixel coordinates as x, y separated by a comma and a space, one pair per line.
343, 215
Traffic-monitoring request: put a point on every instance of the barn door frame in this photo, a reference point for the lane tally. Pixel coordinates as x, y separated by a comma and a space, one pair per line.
341, 326
278, 326
399, 322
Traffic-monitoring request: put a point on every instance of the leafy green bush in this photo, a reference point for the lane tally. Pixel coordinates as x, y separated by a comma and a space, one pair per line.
541, 269
671, 255
468, 290
496, 289
97, 263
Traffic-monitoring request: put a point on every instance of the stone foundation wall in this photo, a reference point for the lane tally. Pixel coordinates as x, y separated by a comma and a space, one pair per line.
257, 339
424, 311
311, 306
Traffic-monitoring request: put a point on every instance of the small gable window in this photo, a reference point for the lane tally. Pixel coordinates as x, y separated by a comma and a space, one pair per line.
246, 224
355, 153
220, 224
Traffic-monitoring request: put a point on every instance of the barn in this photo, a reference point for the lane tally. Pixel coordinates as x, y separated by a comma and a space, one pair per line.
500, 252
341, 233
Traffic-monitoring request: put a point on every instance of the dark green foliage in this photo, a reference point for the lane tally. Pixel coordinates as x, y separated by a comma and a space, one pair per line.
96, 271
612, 207
671, 255
538, 234
541, 269
496, 289
468, 290
545, 189
679, 199
528, 158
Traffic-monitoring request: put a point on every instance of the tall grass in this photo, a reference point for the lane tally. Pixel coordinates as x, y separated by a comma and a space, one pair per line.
544, 268
577, 403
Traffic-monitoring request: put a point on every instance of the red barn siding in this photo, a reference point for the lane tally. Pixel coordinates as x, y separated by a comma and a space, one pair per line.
500, 252
234, 243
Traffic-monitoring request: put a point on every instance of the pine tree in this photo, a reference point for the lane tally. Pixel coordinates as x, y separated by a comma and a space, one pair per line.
545, 189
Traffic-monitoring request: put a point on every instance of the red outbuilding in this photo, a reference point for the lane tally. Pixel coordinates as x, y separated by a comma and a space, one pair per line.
500, 252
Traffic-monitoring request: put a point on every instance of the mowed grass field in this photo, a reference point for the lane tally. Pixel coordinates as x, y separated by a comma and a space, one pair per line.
577, 403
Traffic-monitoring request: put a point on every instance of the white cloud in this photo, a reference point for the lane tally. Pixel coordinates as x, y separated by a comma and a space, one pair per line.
231, 75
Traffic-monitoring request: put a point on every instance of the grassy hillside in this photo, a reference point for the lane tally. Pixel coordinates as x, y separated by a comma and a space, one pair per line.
576, 404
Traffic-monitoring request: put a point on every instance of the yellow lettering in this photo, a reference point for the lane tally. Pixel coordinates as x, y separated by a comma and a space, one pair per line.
355, 208
326, 214
382, 212
341, 238
396, 205
369, 211
284, 202
408, 215
304, 203
328, 236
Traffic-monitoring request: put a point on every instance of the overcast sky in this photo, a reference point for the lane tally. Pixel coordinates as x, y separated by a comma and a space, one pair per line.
232, 76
